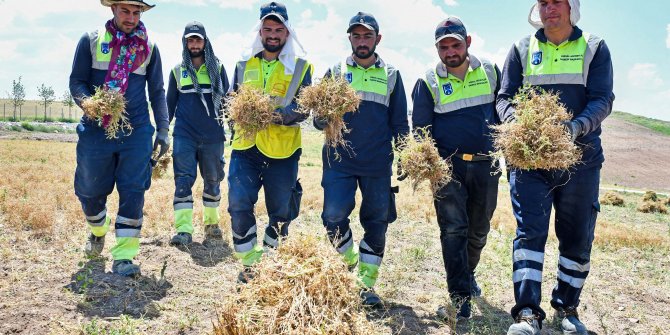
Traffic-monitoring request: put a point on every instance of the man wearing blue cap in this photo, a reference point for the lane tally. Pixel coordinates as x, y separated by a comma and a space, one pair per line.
197, 85
558, 57
455, 102
118, 57
381, 119
274, 63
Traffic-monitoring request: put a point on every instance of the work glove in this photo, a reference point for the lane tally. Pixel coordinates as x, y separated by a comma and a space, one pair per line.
574, 128
320, 123
402, 175
163, 141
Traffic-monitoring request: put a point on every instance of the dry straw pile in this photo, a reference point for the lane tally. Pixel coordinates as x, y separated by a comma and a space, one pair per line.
612, 198
108, 109
329, 100
160, 166
303, 288
421, 160
652, 204
251, 111
537, 138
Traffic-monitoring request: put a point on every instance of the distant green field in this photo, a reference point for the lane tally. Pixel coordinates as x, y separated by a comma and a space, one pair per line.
659, 126
32, 110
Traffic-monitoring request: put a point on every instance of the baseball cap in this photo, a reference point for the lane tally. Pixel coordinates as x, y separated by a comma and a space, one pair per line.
274, 8
451, 27
363, 19
195, 28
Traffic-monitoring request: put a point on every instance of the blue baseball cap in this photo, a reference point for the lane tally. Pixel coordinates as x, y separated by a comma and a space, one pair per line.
451, 27
274, 8
363, 19
195, 28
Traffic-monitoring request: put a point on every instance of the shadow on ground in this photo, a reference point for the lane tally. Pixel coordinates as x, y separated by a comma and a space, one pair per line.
109, 295
402, 319
209, 253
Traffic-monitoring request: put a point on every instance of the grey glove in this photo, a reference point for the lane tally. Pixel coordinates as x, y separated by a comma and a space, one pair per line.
574, 128
320, 123
402, 175
162, 140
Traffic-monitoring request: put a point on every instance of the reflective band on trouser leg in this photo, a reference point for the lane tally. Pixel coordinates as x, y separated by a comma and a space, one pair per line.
183, 214
127, 244
99, 224
368, 269
345, 247
211, 208
246, 247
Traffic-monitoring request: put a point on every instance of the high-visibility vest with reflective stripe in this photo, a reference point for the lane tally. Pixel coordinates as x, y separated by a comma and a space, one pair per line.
451, 94
374, 84
277, 141
185, 83
101, 52
544, 63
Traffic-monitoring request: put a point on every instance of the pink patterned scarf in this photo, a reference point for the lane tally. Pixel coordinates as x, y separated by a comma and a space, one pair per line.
129, 51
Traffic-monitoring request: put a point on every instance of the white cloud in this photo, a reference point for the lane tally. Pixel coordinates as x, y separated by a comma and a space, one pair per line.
644, 75
306, 14
451, 2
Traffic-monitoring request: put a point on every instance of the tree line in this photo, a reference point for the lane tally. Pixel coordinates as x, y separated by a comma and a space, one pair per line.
17, 97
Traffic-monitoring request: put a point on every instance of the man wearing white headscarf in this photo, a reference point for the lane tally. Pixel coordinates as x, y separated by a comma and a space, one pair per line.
562, 58
273, 63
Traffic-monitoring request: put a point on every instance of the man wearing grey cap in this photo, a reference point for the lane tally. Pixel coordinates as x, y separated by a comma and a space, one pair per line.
381, 119
274, 63
455, 102
577, 65
195, 90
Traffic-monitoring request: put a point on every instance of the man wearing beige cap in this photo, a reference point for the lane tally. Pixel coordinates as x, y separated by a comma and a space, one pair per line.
119, 57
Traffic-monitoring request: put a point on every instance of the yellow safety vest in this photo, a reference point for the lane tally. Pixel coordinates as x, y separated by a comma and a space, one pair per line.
373, 84
277, 141
101, 52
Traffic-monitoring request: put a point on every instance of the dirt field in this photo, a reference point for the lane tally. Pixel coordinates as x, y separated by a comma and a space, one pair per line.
48, 287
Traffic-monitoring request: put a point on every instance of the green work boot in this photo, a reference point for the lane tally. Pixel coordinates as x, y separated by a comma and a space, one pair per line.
181, 240
126, 268
94, 246
570, 324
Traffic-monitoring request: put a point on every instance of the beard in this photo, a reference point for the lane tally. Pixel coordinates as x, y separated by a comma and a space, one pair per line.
455, 61
364, 52
197, 53
273, 48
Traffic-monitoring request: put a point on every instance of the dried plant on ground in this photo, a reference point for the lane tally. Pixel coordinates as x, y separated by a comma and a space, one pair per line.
650, 206
612, 198
329, 100
421, 160
108, 109
303, 287
251, 111
650, 196
160, 166
537, 139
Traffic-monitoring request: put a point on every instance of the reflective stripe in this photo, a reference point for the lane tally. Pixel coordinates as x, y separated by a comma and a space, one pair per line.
211, 203
183, 205
251, 230
527, 274
592, 43
464, 103
528, 255
129, 222
296, 80
128, 233
96, 43
365, 246
572, 281
391, 78
239, 73
572, 265
270, 241
183, 199
370, 259
245, 246
96, 218
212, 197
345, 247
554, 79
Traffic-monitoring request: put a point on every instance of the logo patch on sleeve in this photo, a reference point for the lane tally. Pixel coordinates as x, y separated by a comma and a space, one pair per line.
536, 58
447, 89
349, 77
104, 47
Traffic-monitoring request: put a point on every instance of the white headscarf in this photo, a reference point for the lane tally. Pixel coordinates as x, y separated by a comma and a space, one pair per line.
289, 52
534, 15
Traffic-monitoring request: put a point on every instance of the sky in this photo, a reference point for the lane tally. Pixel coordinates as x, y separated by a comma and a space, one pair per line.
38, 38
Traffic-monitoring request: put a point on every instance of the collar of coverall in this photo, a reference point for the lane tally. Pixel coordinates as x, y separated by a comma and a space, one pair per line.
441, 69
378, 63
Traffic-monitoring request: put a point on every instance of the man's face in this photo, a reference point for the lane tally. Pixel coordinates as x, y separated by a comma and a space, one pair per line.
273, 35
126, 17
555, 14
196, 46
363, 42
452, 51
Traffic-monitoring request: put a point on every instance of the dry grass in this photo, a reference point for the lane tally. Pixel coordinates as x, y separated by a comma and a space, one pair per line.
650, 196
649, 206
302, 288
329, 100
108, 109
612, 198
421, 161
537, 138
251, 111
161, 167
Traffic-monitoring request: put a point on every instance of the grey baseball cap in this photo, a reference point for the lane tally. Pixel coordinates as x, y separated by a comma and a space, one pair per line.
366, 20
451, 27
195, 28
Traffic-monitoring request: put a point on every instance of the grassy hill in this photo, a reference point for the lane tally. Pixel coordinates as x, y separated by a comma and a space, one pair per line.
660, 126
